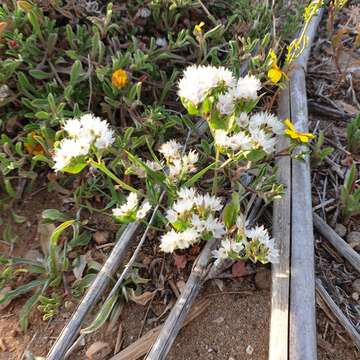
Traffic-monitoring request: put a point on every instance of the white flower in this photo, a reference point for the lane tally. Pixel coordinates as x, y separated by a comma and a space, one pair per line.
227, 246
67, 151
187, 238
161, 42
212, 203
264, 140
169, 241
198, 81
99, 129
173, 240
197, 223
186, 193
240, 141
143, 12
144, 209
73, 127
242, 120
259, 233
214, 226
226, 103
183, 205
128, 207
247, 88
171, 149
221, 138
176, 168
267, 119
171, 215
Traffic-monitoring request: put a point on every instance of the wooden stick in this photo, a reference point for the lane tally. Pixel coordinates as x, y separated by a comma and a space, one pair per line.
337, 242
141, 346
292, 324
279, 321
67, 336
343, 320
178, 313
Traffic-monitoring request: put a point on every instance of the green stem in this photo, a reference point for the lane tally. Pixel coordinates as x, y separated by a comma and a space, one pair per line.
102, 167
217, 158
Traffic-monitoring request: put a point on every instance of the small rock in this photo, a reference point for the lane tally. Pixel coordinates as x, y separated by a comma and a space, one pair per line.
249, 350
34, 255
353, 239
355, 296
231, 358
263, 279
3, 291
341, 230
219, 320
99, 350
356, 285
101, 237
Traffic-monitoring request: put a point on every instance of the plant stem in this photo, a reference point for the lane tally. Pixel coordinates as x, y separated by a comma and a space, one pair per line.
102, 167
217, 158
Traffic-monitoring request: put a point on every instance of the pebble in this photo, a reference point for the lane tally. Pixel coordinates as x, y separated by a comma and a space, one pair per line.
101, 237
355, 296
341, 230
356, 285
99, 350
263, 279
219, 320
353, 239
249, 350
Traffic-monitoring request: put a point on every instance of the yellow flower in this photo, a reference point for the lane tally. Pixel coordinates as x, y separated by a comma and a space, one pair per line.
297, 135
198, 28
274, 74
119, 78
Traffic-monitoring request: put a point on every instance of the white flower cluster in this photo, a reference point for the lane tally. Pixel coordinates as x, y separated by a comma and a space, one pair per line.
179, 164
131, 209
193, 217
198, 81
83, 133
254, 244
252, 132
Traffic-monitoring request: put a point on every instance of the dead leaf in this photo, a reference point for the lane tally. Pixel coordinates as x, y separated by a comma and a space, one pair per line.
180, 261
352, 110
99, 350
44, 232
142, 299
238, 269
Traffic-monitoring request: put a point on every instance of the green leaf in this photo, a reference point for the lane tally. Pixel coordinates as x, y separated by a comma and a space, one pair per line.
75, 168
231, 211
51, 215
102, 316
42, 115
26, 309
76, 69
20, 290
38, 74
199, 175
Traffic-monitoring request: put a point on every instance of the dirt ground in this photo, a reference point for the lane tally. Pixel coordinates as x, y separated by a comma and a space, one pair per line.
235, 326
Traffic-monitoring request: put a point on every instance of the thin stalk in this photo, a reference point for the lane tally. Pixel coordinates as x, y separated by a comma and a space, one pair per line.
215, 182
102, 167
